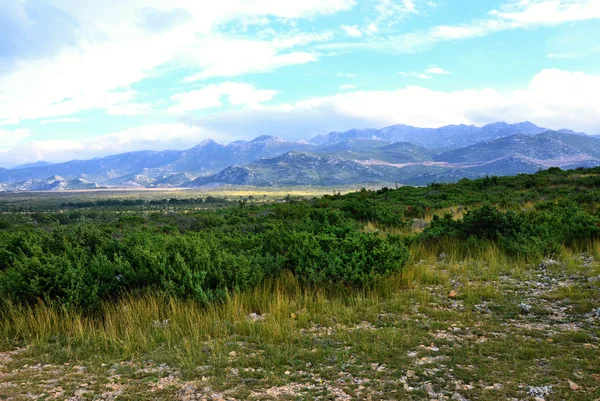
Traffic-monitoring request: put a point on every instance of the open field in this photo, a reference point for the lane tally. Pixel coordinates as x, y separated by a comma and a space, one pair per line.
52, 200
369, 296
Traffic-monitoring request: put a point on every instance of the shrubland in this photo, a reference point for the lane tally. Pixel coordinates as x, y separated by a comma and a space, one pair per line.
341, 280
80, 259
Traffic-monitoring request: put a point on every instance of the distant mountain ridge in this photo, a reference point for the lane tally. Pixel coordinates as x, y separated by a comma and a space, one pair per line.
444, 138
538, 147
399, 153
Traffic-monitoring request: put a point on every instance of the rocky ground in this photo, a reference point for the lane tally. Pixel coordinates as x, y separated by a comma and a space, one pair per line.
467, 332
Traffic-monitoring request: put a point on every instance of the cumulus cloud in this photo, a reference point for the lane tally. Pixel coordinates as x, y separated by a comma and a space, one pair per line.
352, 30
391, 12
553, 98
437, 71
237, 94
93, 66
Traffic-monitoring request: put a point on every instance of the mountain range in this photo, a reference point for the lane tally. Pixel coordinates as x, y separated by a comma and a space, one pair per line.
399, 153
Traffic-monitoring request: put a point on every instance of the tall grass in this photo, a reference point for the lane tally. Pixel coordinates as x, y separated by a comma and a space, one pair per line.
179, 331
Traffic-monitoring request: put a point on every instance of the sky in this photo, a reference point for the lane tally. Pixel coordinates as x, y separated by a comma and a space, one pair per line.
89, 78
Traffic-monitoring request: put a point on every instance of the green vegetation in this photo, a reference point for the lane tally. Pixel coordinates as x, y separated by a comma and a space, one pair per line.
348, 293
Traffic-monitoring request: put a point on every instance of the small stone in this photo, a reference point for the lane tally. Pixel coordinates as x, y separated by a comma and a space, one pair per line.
255, 317
539, 391
232, 354
287, 373
525, 307
294, 316
410, 373
453, 294
574, 386
458, 397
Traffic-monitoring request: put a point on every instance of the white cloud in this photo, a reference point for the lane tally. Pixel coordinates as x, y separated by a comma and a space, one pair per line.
553, 98
12, 121
517, 14
437, 71
352, 30
346, 87
60, 120
391, 12
424, 75
548, 12
9, 138
237, 57
237, 94
372, 28
120, 43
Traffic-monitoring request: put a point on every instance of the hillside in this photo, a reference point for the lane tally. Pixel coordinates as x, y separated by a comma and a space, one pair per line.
538, 147
295, 168
403, 152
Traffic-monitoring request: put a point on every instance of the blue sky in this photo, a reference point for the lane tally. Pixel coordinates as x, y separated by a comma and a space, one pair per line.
86, 78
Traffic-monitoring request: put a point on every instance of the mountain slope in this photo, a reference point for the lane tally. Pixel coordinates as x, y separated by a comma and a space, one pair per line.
295, 168
537, 147
403, 152
54, 183
509, 165
585, 144
376, 149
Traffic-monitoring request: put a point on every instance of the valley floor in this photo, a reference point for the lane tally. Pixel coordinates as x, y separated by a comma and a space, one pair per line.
444, 330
